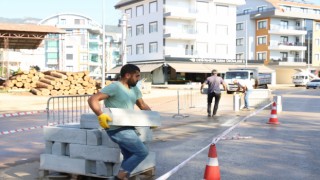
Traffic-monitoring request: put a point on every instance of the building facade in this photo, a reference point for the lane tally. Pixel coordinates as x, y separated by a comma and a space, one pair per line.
275, 32
181, 40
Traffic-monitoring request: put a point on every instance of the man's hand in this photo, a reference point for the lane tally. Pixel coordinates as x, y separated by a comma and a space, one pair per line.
103, 121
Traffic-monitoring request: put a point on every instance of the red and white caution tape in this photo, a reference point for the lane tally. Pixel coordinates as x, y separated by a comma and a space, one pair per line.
21, 113
27, 129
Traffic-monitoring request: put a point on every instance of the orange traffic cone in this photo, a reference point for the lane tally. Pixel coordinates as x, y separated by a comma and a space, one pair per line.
212, 171
273, 118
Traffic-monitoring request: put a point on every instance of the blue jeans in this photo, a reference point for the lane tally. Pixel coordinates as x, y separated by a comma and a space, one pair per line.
132, 148
246, 98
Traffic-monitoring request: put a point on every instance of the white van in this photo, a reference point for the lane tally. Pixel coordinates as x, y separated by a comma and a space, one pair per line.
300, 79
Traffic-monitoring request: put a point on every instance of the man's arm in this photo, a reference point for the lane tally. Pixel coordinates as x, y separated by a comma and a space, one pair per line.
142, 105
202, 85
94, 104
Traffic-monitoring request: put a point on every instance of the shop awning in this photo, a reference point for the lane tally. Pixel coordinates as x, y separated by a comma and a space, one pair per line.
190, 67
143, 68
149, 67
115, 70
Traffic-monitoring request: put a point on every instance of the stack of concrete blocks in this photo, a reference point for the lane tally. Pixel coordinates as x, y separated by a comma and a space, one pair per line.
259, 97
85, 149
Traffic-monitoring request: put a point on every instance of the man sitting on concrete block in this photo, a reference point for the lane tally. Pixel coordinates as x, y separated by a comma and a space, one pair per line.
122, 94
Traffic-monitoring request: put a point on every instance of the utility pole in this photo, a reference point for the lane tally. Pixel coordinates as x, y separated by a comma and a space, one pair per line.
103, 76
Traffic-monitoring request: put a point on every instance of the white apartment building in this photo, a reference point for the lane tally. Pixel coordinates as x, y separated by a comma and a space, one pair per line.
180, 40
274, 32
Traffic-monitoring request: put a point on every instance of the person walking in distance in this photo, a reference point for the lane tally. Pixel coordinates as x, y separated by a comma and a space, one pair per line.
213, 82
122, 94
245, 86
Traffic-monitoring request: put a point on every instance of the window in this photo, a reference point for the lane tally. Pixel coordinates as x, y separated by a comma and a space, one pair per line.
83, 67
222, 48
153, 47
304, 10
69, 68
129, 12
139, 30
239, 41
79, 21
284, 56
202, 27
222, 29
240, 56
153, 7
69, 56
262, 8
129, 50
52, 44
284, 39
239, 26
139, 49
317, 26
261, 56
286, 8
63, 21
202, 7
246, 11
52, 55
318, 42
129, 31
153, 27
262, 24
84, 58
69, 47
284, 24
222, 10
262, 40
139, 11
202, 48
317, 57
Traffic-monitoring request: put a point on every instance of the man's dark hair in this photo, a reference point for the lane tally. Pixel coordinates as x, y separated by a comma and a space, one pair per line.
129, 68
214, 71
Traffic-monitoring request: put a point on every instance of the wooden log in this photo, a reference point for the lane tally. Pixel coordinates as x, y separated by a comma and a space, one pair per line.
86, 78
48, 72
30, 75
19, 84
53, 92
28, 80
70, 78
36, 91
52, 78
85, 83
90, 91
58, 75
40, 74
44, 85
66, 92
27, 85
24, 76
45, 92
35, 78
72, 92
66, 83
9, 84
81, 91
48, 81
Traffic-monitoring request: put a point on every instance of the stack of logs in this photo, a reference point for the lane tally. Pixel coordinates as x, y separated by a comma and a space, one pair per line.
54, 83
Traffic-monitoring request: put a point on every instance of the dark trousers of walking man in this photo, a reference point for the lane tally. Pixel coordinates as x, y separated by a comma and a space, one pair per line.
216, 97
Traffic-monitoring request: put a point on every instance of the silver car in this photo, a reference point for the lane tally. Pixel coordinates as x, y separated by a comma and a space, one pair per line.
315, 83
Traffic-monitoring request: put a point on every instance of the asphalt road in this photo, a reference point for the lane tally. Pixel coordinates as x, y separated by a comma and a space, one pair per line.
286, 151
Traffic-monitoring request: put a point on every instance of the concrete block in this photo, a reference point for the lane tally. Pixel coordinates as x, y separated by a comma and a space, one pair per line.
63, 164
70, 125
68, 150
92, 167
145, 134
122, 117
148, 162
48, 147
66, 135
89, 121
104, 168
94, 137
106, 141
59, 148
98, 153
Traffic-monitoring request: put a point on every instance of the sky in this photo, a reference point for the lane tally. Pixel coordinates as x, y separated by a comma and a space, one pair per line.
45, 8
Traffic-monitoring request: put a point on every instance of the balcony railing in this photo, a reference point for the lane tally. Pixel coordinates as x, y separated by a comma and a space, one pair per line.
289, 59
256, 12
281, 27
285, 43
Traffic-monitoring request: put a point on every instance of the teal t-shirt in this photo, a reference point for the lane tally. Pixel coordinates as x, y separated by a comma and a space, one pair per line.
120, 97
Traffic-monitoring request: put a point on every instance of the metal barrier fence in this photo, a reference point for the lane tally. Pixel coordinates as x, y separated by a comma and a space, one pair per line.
189, 98
66, 109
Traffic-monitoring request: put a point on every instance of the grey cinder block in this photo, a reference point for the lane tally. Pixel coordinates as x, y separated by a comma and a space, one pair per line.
59, 148
48, 147
94, 137
63, 164
101, 153
89, 121
106, 141
104, 168
66, 135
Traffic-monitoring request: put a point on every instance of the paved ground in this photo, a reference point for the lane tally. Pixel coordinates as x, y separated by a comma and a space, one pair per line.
27, 103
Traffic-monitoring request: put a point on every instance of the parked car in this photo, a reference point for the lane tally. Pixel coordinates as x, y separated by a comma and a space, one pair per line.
315, 83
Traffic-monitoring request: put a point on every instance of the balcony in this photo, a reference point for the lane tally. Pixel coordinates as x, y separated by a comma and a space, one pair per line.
289, 61
180, 13
287, 30
180, 52
287, 46
185, 33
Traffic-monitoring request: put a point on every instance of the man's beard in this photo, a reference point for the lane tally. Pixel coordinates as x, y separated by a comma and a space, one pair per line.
132, 83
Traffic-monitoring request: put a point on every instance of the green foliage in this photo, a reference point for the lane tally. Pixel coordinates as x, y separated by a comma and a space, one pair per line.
37, 68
